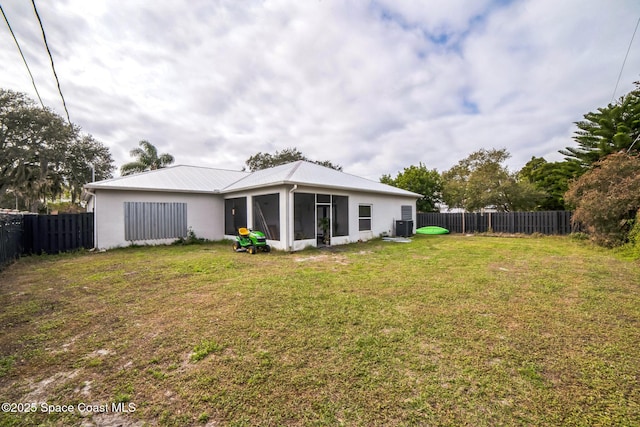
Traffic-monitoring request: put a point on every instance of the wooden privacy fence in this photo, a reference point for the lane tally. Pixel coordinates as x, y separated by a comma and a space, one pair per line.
37, 234
10, 238
52, 234
548, 222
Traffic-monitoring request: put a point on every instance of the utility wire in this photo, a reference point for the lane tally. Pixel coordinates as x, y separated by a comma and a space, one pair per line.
53, 67
22, 55
625, 60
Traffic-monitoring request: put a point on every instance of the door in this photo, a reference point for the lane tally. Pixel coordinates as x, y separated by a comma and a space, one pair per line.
323, 215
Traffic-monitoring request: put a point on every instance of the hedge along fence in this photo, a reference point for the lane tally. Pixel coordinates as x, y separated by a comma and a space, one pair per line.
548, 222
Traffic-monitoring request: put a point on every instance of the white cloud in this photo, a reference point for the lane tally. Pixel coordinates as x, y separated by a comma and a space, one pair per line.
374, 86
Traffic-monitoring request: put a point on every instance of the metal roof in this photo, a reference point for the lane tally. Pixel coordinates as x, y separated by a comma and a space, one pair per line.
312, 174
208, 180
181, 178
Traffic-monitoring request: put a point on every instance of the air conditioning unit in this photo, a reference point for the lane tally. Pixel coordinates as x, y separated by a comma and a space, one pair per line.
404, 228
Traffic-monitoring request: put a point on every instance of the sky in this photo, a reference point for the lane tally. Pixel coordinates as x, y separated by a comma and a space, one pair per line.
373, 86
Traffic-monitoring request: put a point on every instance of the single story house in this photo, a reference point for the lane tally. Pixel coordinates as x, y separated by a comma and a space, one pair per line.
286, 202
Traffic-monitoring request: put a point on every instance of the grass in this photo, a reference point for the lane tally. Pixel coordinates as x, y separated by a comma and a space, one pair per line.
445, 330
204, 349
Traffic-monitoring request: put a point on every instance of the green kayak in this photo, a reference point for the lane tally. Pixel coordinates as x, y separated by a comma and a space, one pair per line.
432, 229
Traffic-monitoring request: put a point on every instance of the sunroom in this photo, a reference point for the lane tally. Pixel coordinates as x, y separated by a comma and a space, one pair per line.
319, 219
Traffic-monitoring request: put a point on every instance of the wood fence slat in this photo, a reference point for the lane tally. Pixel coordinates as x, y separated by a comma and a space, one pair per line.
53, 234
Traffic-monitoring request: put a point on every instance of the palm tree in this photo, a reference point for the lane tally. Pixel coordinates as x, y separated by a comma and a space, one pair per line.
147, 159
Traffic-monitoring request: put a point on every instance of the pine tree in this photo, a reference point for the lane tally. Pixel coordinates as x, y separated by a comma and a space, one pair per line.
612, 129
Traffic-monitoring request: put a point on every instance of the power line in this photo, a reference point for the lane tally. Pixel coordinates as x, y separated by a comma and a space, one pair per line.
22, 55
53, 67
625, 60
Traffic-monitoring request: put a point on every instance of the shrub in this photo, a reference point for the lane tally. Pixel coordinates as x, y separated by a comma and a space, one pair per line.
607, 198
191, 239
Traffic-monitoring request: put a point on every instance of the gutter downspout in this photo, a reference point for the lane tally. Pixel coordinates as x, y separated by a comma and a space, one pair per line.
290, 219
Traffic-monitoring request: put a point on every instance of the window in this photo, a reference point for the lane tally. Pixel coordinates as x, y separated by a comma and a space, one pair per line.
323, 198
340, 215
406, 212
304, 216
364, 217
266, 215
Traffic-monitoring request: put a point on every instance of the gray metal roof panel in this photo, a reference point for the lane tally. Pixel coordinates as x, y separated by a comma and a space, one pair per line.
175, 178
307, 173
208, 180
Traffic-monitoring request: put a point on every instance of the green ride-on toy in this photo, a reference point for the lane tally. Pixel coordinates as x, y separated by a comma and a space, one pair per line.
250, 241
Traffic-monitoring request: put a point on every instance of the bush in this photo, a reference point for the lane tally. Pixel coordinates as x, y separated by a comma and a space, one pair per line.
607, 199
191, 239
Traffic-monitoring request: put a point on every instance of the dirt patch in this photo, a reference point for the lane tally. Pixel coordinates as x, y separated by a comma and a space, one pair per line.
65, 347
324, 258
42, 389
100, 353
111, 420
312, 258
86, 388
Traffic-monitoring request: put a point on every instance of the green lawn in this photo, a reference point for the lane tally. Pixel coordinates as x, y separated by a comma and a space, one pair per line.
445, 330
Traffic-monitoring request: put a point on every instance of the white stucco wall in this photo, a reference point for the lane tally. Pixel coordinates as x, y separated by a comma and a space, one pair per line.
385, 211
204, 215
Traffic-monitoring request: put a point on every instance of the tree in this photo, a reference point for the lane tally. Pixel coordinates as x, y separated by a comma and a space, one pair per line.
481, 181
608, 130
551, 178
607, 198
147, 158
422, 181
261, 160
88, 159
39, 154
11, 147
33, 144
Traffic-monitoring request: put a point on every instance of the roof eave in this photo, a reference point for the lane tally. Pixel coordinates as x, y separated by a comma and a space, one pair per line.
157, 190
